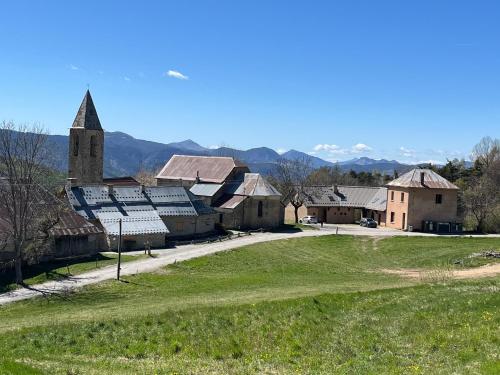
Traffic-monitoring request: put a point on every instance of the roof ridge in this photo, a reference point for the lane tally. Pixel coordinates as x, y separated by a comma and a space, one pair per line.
87, 117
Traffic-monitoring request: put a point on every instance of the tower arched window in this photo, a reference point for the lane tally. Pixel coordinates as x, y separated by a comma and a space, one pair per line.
93, 146
260, 209
76, 145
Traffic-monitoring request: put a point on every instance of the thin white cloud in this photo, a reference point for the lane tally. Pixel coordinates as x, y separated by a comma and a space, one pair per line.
361, 147
126, 79
73, 67
431, 161
407, 152
326, 147
213, 147
281, 151
176, 74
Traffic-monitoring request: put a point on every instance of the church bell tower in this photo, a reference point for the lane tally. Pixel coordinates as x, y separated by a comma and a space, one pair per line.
86, 145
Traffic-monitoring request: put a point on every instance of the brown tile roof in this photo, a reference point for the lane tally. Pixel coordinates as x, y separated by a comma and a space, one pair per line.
212, 169
72, 224
412, 179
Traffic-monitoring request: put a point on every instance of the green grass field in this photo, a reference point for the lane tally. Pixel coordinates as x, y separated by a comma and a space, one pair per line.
311, 305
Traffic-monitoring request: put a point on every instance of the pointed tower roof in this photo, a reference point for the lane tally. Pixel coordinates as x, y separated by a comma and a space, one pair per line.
87, 115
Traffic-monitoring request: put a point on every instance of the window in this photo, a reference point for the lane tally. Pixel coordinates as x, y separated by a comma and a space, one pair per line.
392, 217
392, 195
93, 146
259, 209
402, 197
439, 198
76, 145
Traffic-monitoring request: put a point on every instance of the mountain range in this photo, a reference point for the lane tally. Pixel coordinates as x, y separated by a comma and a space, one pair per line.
125, 155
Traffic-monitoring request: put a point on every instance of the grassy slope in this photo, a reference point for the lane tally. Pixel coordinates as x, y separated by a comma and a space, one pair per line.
40, 273
252, 310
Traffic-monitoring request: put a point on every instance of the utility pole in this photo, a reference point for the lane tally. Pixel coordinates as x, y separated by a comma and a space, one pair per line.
119, 249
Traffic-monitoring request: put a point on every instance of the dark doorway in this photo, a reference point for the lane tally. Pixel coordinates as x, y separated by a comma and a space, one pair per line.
404, 221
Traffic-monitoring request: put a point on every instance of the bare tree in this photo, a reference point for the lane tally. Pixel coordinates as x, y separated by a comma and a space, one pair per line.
481, 197
146, 176
486, 152
292, 177
22, 153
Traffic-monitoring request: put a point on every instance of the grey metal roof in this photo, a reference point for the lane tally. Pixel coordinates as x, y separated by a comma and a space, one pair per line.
378, 201
231, 201
146, 222
86, 116
432, 180
344, 196
205, 190
252, 185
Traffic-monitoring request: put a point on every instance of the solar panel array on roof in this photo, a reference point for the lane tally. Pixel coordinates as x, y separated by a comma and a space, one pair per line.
91, 201
167, 194
138, 223
129, 194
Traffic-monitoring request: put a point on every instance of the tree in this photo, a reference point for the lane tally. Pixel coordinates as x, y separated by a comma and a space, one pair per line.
481, 196
22, 153
292, 177
146, 177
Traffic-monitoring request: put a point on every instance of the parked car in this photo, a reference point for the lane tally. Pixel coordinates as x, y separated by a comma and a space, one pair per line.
309, 220
367, 222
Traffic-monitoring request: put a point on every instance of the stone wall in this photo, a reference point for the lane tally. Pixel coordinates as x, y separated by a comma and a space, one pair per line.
86, 151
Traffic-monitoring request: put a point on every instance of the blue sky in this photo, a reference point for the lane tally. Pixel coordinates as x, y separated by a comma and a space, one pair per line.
411, 81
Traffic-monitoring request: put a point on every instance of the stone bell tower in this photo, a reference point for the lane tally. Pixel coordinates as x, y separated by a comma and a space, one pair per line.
86, 145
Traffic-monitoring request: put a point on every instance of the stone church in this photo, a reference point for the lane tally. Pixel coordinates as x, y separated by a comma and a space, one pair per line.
149, 215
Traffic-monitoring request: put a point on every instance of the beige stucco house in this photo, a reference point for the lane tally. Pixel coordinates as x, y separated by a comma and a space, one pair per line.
422, 200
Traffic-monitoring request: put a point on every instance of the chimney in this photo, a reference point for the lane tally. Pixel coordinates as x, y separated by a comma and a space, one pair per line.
110, 189
143, 189
422, 178
197, 177
335, 189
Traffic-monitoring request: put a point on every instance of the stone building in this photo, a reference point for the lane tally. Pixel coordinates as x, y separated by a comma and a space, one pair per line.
149, 215
242, 199
342, 204
422, 200
86, 147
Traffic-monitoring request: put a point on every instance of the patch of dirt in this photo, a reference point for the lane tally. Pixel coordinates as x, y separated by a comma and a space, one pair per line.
375, 242
423, 274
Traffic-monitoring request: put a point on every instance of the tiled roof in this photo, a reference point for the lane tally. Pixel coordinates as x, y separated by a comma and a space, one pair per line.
211, 169
87, 115
413, 179
72, 224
